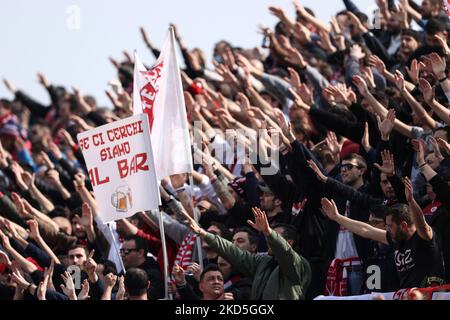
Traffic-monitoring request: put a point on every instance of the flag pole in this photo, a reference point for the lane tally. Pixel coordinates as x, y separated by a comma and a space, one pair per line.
196, 218
116, 247
165, 258
191, 180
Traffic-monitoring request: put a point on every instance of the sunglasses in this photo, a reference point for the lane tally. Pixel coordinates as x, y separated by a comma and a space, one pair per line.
348, 166
127, 251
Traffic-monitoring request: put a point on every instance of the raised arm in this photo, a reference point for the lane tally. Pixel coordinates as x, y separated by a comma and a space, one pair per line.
243, 260
294, 266
414, 104
310, 18
379, 109
24, 263
347, 192
280, 14
428, 95
29, 179
359, 228
36, 236
376, 62
423, 229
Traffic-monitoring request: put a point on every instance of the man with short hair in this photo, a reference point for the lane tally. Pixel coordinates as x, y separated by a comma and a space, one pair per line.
431, 8
134, 255
380, 255
136, 284
77, 255
417, 255
211, 284
427, 11
281, 275
80, 256
433, 28
220, 230
344, 249
409, 42
270, 204
245, 239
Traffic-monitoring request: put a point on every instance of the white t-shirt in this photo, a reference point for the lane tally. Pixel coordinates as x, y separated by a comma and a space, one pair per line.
345, 246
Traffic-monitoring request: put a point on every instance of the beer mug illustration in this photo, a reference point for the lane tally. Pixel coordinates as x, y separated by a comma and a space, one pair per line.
122, 199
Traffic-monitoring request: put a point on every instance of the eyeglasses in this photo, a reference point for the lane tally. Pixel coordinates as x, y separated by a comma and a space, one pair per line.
127, 251
348, 166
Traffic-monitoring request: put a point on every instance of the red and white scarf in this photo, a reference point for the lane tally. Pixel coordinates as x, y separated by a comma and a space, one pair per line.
184, 255
336, 284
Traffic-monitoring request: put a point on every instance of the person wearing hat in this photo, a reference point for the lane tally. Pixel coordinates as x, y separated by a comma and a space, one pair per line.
271, 205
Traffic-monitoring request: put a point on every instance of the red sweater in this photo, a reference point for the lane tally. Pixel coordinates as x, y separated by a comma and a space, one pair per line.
155, 247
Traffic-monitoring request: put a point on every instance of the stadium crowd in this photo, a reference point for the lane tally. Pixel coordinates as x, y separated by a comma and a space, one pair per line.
356, 112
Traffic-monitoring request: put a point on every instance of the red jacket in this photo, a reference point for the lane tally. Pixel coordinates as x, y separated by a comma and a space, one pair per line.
155, 247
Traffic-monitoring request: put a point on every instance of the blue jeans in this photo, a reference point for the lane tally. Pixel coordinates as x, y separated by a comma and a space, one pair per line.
355, 281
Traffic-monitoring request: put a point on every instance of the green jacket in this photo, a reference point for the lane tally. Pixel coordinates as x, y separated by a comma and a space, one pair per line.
284, 278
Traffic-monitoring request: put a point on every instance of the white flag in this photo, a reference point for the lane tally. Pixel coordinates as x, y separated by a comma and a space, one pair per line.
119, 159
158, 93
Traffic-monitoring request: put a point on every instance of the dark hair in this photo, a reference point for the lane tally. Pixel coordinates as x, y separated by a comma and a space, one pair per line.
434, 26
289, 231
435, 2
378, 211
141, 244
444, 173
137, 218
136, 281
323, 155
359, 159
344, 113
412, 33
109, 267
341, 13
399, 212
90, 99
77, 245
381, 97
224, 231
6, 103
447, 131
300, 18
279, 29
310, 11
209, 268
59, 211
252, 235
362, 17
77, 211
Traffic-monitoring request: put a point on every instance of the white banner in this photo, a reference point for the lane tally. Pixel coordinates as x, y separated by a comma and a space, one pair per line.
159, 93
121, 168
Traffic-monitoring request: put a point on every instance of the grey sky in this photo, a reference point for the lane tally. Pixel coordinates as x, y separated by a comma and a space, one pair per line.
36, 35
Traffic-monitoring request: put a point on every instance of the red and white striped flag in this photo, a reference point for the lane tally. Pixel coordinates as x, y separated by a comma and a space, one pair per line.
158, 93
